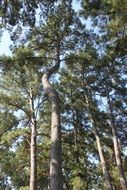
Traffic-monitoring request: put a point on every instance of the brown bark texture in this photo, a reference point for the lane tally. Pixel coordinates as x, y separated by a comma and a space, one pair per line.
55, 149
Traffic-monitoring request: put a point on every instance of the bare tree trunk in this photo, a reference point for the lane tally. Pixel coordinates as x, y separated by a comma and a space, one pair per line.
106, 175
76, 144
75, 138
115, 143
56, 182
33, 156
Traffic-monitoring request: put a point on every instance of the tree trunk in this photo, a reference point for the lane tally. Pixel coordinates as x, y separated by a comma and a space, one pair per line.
76, 144
33, 156
106, 175
75, 138
115, 143
55, 150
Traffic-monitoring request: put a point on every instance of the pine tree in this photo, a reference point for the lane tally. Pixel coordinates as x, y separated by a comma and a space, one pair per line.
21, 91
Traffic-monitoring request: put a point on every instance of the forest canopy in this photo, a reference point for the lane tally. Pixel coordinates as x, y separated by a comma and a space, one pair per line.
63, 95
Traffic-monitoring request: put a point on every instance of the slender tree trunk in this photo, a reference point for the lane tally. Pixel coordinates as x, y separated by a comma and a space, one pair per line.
75, 139
106, 175
55, 150
116, 144
33, 156
76, 144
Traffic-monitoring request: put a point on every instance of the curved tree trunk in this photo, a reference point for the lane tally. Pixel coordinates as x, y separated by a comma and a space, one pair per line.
33, 156
115, 143
55, 150
107, 178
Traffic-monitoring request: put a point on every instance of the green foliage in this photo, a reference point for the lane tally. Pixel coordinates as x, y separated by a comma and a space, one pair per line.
24, 188
14, 12
90, 60
78, 183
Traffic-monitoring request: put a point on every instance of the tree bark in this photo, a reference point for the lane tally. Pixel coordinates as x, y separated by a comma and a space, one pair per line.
115, 143
76, 144
106, 175
75, 137
33, 156
56, 182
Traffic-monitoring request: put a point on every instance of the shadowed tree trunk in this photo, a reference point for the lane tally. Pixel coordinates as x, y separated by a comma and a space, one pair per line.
115, 143
33, 156
55, 150
75, 137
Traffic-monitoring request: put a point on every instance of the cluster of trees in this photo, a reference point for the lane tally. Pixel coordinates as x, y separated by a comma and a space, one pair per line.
63, 95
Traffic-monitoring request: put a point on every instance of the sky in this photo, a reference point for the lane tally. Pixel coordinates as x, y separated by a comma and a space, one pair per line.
5, 43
